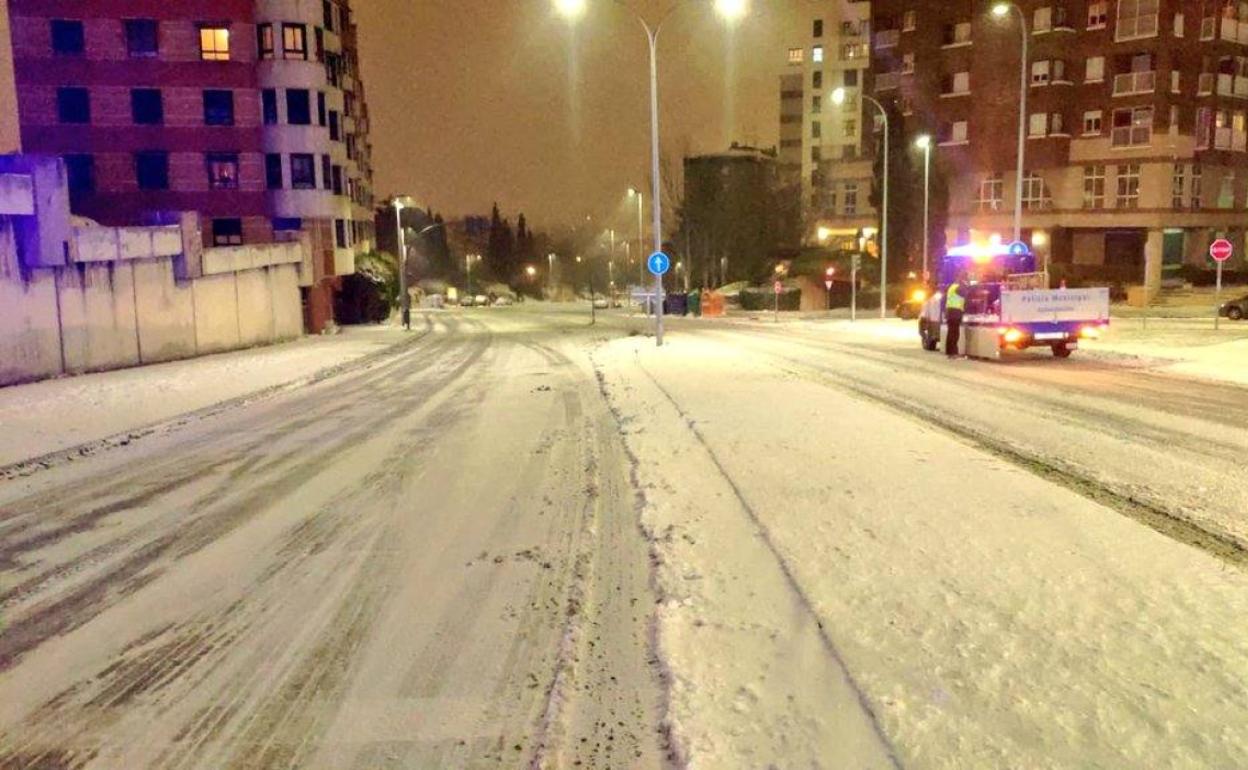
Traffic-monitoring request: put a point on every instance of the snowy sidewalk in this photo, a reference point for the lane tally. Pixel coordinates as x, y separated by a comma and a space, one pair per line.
53, 415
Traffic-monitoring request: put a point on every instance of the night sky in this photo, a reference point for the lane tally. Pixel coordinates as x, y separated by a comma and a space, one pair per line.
480, 100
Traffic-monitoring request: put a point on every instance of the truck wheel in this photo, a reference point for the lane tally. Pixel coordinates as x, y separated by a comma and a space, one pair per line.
1235, 313
1061, 351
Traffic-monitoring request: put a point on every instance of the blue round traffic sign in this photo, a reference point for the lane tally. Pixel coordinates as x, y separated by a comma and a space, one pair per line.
1018, 249
659, 263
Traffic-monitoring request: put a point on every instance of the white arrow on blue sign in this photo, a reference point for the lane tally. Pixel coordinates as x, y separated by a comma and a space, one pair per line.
659, 263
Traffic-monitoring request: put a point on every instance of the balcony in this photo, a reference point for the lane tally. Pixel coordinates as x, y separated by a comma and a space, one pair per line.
1233, 85
1234, 31
1136, 27
887, 81
889, 38
1131, 83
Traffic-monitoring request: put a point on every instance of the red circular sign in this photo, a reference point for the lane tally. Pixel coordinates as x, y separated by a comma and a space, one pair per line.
1221, 250
779, 287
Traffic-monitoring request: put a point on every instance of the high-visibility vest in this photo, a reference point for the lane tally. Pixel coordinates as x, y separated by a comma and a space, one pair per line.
954, 299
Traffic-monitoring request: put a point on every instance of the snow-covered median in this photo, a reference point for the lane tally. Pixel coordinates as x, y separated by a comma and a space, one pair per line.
53, 415
846, 587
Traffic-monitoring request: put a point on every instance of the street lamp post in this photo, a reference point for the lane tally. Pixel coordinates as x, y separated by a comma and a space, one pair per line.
405, 302
550, 272
838, 98
924, 143
729, 9
1001, 10
641, 235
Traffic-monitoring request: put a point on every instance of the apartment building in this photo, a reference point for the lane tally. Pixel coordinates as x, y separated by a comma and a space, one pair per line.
1136, 144
828, 146
242, 110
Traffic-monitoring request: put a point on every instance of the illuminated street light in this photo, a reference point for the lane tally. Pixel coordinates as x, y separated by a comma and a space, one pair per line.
924, 143
838, 98
570, 9
730, 10
1001, 10
530, 271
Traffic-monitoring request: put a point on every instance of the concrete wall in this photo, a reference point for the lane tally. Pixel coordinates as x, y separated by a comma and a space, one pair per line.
99, 327
30, 346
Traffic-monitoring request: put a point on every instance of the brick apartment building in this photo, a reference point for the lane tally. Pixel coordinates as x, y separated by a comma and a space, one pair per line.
1136, 147
213, 106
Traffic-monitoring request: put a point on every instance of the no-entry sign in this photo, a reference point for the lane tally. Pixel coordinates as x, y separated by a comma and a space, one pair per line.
779, 287
1221, 250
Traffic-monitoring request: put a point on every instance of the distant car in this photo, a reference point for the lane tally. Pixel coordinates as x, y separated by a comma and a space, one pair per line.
503, 301
467, 301
1236, 309
911, 307
601, 303
481, 300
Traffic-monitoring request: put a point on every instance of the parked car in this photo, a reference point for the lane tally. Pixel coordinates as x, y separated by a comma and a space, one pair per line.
1236, 309
467, 301
481, 300
601, 303
503, 301
911, 307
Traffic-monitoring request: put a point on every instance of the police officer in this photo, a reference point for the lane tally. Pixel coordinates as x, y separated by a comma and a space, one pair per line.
955, 305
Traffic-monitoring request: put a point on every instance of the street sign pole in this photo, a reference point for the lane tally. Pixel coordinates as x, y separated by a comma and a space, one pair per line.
659, 263
777, 289
1220, 250
853, 288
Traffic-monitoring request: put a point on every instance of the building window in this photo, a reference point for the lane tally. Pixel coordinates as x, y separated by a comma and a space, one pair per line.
335, 133
294, 41
337, 180
1178, 186
818, 28
816, 130
1128, 186
80, 171
816, 104
1035, 192
850, 128
302, 171
73, 105
264, 40
1197, 191
1095, 69
327, 172
957, 34
1179, 22
816, 79
214, 43
320, 108
909, 21
1040, 73
1133, 127
273, 171
151, 170
849, 78
1092, 122
816, 154
1136, 19
222, 170
68, 38
147, 108
218, 108
287, 224
957, 132
327, 11
1037, 125
318, 38
227, 232
1093, 187
1098, 15
797, 55
850, 198
298, 107
907, 63
1042, 20
340, 233
268, 106
142, 38
991, 192
816, 54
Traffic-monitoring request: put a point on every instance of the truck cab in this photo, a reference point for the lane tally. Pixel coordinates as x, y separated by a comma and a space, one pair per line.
1009, 306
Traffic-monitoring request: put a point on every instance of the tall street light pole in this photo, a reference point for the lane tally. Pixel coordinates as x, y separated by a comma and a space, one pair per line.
405, 302
1001, 10
641, 234
838, 98
924, 143
729, 9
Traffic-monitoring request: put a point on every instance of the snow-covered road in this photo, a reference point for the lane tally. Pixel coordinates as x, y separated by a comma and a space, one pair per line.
529, 543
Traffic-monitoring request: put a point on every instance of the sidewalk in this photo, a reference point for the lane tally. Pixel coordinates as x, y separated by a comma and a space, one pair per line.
53, 415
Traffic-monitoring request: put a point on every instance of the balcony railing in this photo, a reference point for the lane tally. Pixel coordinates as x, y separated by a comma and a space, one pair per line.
887, 81
1135, 83
1234, 31
1131, 136
889, 38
